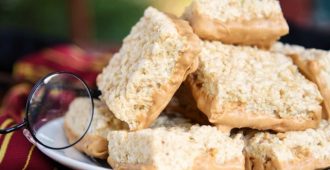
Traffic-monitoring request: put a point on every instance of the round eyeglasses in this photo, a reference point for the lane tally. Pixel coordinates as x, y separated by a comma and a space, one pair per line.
46, 106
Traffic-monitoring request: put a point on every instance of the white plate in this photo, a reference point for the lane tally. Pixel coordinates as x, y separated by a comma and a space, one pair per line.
69, 157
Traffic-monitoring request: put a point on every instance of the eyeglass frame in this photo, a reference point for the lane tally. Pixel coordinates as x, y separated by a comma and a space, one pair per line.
25, 123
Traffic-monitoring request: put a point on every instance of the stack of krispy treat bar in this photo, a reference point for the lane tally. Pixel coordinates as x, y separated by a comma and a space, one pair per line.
212, 89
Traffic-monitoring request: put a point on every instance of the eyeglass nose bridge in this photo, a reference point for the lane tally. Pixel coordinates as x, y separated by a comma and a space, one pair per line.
13, 128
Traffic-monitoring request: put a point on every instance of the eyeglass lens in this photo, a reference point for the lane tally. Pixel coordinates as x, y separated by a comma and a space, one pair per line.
49, 102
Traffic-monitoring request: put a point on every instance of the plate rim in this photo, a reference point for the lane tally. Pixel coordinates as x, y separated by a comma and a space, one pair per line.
68, 161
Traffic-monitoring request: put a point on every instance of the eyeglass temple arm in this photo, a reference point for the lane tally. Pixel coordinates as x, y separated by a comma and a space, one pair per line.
13, 128
94, 92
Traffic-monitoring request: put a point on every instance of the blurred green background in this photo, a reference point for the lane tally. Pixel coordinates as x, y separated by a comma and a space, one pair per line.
111, 19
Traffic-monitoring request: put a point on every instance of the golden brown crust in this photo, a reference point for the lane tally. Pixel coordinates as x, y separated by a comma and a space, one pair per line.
125, 166
205, 161
186, 64
302, 65
312, 70
92, 145
252, 163
260, 32
323, 86
183, 103
307, 162
234, 115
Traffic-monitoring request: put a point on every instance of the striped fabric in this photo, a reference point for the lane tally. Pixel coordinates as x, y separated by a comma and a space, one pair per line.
17, 153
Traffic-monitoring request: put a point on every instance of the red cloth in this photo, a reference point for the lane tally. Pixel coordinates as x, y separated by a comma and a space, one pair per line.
61, 58
298, 11
16, 152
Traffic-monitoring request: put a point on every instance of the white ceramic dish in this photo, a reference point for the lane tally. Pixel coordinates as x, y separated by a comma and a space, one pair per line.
69, 157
